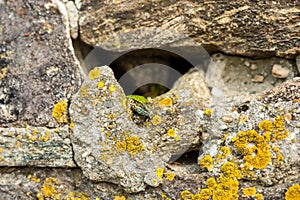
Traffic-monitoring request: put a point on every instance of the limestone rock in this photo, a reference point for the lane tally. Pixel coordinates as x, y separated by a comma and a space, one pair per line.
252, 29
279, 71
37, 67
110, 146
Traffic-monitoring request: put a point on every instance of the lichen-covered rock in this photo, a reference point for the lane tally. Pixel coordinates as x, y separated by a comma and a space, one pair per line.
112, 145
35, 146
261, 151
256, 29
37, 65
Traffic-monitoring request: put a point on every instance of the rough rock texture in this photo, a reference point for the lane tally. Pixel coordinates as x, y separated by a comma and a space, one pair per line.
256, 29
37, 65
109, 146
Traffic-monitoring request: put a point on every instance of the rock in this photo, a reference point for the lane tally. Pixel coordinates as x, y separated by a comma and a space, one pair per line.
247, 63
121, 26
227, 119
298, 63
253, 66
36, 146
110, 147
258, 79
73, 18
38, 67
279, 71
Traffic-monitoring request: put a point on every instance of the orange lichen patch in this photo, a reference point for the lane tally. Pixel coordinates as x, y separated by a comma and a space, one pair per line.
249, 191
156, 120
131, 144
257, 155
225, 151
279, 157
206, 162
171, 133
169, 176
94, 73
293, 193
60, 111
159, 173
77, 195
231, 170
45, 137
18, 144
119, 198
266, 125
33, 178
187, 195
112, 88
259, 197
166, 102
100, 84
2, 72
208, 112
1, 150
295, 100
48, 190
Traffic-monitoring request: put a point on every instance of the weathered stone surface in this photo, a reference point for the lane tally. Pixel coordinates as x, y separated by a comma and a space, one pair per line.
256, 29
110, 146
36, 146
37, 65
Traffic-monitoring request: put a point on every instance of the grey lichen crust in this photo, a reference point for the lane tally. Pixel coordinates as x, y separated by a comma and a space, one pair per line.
110, 147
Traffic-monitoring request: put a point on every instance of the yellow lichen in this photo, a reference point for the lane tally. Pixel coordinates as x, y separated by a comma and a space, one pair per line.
225, 151
169, 176
243, 119
60, 111
258, 155
259, 197
266, 125
156, 120
100, 84
166, 102
231, 170
208, 112
45, 138
159, 173
171, 133
187, 195
48, 190
249, 191
119, 198
1, 150
206, 162
128, 143
279, 157
94, 73
293, 193
112, 88
2, 72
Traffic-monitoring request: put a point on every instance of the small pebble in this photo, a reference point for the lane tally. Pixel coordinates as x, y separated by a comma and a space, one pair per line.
279, 71
247, 63
288, 117
253, 67
227, 119
258, 79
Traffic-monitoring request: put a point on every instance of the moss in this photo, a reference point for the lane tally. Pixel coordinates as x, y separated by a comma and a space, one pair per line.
60, 111
249, 191
160, 173
293, 193
94, 73
208, 112
206, 162
138, 98
156, 120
